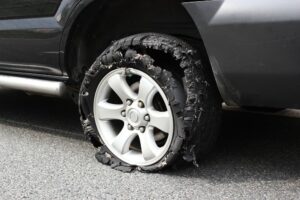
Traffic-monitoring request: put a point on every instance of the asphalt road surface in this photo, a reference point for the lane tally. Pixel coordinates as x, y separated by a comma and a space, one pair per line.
43, 155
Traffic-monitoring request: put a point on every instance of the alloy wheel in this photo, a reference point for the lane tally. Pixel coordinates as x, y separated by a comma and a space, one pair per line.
133, 117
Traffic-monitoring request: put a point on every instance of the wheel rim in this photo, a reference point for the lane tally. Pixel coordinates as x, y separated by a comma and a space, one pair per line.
133, 117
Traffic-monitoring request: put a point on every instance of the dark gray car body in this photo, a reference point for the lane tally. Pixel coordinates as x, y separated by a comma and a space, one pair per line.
254, 49
253, 46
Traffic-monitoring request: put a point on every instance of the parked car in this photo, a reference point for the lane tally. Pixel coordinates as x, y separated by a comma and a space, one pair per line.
150, 76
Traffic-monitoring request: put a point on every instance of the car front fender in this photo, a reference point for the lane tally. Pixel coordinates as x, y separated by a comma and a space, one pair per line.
253, 47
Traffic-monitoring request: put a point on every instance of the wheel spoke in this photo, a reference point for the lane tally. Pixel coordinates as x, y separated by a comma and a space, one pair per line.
108, 111
146, 91
148, 145
123, 141
160, 120
121, 87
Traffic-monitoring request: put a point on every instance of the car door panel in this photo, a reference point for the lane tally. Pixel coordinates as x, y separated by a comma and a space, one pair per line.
29, 36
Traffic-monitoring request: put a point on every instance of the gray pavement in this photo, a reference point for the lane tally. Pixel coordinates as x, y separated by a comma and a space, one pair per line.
43, 155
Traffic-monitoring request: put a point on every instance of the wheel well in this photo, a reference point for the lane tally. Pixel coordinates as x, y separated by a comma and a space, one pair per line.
101, 23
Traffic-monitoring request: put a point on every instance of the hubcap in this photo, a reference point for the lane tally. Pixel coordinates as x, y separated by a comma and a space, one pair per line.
133, 117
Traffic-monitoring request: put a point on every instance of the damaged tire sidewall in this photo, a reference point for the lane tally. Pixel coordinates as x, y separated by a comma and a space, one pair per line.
163, 78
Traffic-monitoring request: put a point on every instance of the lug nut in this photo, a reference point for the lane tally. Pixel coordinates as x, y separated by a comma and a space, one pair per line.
129, 102
123, 113
142, 129
130, 127
147, 118
141, 104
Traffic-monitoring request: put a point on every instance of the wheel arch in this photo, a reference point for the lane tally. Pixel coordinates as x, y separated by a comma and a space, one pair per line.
97, 34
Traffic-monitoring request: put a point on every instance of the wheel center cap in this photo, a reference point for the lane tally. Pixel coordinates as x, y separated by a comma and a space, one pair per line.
133, 115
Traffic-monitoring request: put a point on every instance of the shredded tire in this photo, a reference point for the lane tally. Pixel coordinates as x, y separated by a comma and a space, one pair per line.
197, 115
